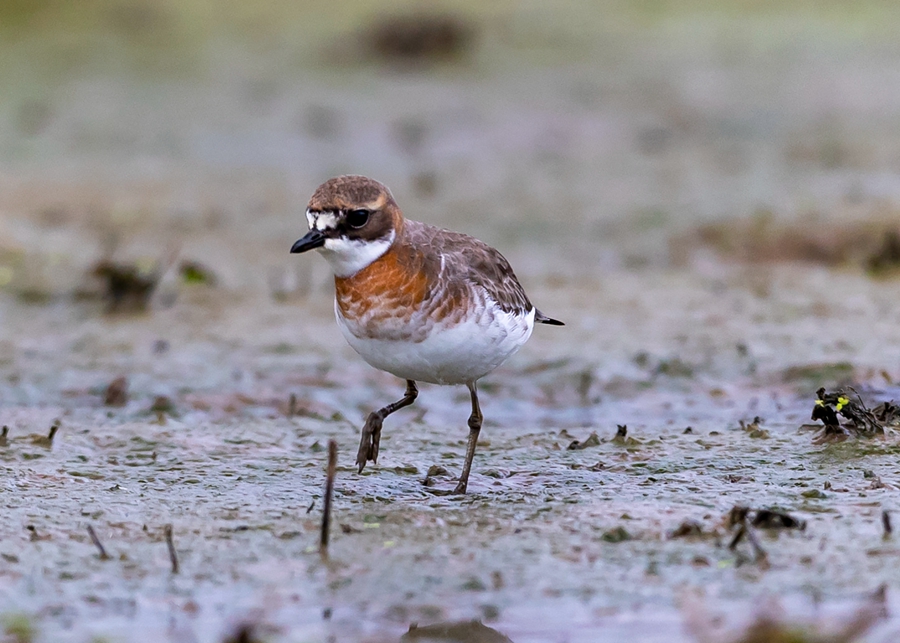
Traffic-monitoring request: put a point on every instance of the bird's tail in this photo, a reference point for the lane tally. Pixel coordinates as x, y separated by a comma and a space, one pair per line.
541, 318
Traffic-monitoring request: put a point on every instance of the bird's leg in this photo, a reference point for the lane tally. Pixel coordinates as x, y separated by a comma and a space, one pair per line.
371, 432
474, 429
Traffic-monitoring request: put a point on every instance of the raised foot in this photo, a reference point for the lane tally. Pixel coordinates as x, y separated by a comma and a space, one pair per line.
369, 441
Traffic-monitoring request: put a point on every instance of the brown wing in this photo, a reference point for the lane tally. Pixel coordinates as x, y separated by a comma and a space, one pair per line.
466, 260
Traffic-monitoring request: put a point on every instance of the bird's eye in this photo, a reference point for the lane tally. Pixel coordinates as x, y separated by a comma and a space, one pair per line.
357, 218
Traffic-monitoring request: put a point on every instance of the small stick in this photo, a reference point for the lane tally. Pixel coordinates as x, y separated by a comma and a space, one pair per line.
97, 543
53, 429
173, 556
329, 491
292, 405
737, 538
744, 530
879, 598
758, 551
243, 634
886, 523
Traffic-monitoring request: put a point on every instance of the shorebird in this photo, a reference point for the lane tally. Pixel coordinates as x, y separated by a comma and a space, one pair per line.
422, 303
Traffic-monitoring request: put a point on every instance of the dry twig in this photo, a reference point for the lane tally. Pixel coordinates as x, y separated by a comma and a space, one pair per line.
173, 555
97, 543
329, 491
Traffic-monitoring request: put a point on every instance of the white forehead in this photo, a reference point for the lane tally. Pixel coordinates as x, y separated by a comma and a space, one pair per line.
321, 220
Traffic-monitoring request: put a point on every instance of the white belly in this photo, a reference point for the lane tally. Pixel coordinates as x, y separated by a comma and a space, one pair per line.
458, 354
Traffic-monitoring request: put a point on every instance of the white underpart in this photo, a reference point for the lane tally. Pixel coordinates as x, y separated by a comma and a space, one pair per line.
349, 256
450, 354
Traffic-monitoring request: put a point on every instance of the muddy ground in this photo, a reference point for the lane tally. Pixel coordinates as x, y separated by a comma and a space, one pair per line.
704, 194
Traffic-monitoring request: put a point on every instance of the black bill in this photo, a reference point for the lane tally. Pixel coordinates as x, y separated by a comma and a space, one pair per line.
313, 239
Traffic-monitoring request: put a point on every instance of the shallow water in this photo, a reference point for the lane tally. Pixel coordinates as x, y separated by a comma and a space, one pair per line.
587, 147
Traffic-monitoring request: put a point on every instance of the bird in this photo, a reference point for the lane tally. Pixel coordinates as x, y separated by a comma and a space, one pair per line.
422, 303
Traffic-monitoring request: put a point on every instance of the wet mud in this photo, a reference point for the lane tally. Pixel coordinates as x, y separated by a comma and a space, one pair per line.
550, 540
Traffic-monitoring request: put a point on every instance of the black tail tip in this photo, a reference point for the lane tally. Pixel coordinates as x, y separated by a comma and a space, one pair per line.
541, 318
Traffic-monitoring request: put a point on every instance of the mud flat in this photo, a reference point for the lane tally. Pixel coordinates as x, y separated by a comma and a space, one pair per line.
551, 541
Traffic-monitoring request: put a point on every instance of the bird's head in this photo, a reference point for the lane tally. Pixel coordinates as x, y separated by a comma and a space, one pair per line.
353, 220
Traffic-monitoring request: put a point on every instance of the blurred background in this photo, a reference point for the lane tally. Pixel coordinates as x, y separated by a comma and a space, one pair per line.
591, 133
670, 178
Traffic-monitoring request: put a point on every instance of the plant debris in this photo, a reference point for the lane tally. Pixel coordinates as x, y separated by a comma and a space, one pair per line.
468, 631
617, 534
763, 518
128, 287
765, 237
434, 471
292, 405
420, 38
752, 428
774, 519
740, 517
770, 627
243, 633
746, 519
887, 258
170, 544
591, 441
622, 438
809, 375
327, 501
97, 543
194, 272
47, 441
18, 628
34, 536
116, 392
687, 529
162, 404
858, 420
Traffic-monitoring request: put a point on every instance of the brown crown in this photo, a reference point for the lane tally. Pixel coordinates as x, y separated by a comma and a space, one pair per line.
351, 191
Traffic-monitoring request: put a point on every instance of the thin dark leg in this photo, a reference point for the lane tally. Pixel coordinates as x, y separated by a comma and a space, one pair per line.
371, 432
474, 429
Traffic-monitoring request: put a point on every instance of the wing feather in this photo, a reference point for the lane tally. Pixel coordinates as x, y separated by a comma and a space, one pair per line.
466, 260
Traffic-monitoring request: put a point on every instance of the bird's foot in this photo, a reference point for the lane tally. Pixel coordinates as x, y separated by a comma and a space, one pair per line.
460, 489
369, 441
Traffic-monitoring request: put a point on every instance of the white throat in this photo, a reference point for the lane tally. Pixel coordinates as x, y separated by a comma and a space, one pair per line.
349, 256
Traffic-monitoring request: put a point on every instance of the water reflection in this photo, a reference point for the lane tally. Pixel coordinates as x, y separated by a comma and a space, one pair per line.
455, 632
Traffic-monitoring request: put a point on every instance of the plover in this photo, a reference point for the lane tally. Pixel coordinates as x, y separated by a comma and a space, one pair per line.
422, 303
